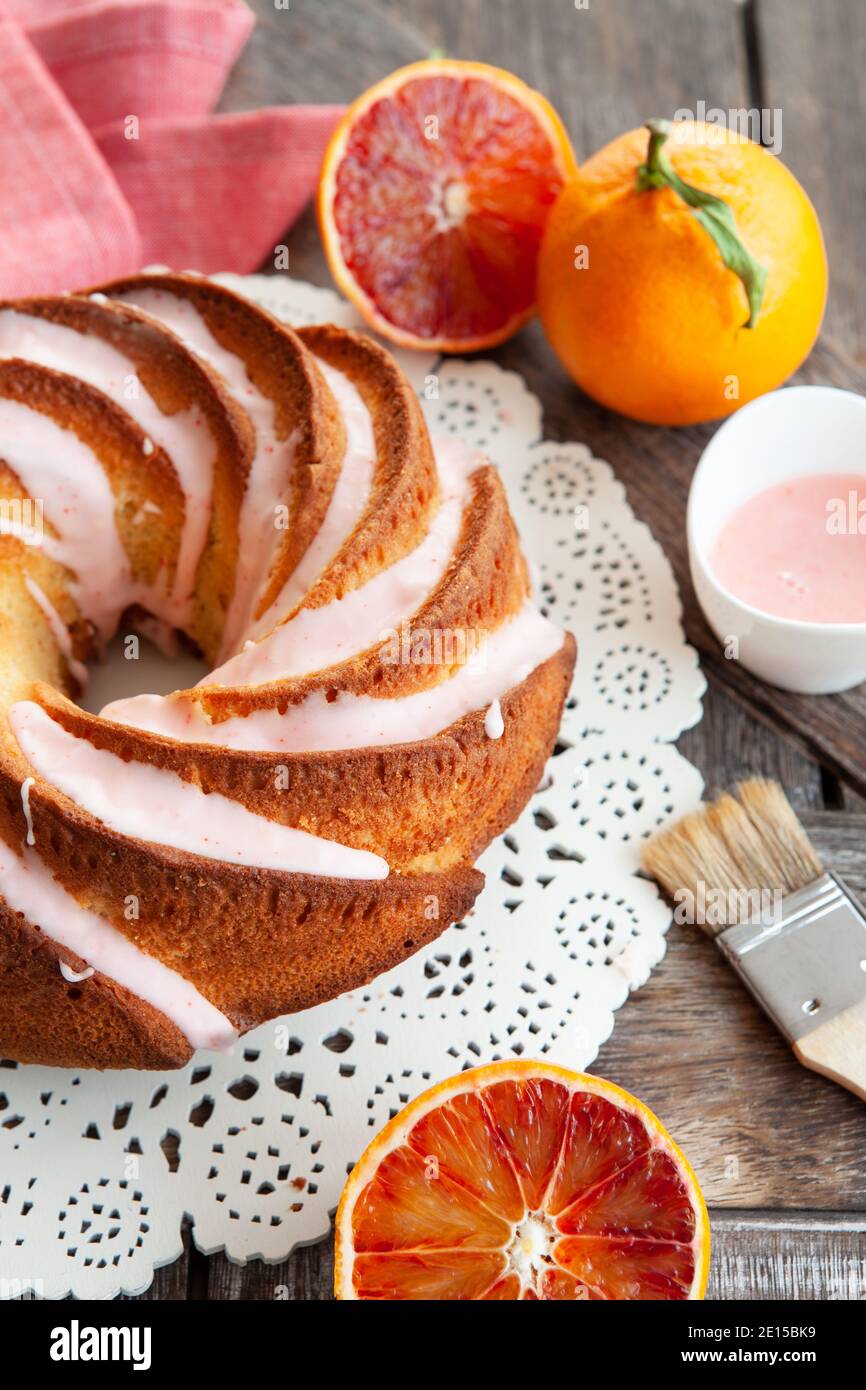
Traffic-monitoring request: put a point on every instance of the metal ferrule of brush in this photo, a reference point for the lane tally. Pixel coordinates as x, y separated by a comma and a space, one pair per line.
808, 964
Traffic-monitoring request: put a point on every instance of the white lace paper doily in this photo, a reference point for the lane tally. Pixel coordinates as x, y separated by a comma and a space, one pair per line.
98, 1170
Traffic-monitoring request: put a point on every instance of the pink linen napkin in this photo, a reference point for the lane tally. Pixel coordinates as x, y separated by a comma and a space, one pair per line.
64, 221
109, 158
138, 57
217, 193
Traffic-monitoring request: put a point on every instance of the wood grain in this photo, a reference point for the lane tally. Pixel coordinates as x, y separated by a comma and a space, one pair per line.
841, 845
814, 71
307, 1275
837, 1049
729, 746
608, 67
173, 1282
761, 1130
756, 1255
319, 51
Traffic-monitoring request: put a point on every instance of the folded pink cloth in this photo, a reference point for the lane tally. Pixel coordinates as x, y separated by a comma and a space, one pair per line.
64, 220
109, 158
138, 57
217, 193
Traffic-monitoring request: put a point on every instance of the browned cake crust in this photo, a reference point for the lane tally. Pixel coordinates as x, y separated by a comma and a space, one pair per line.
255, 942
51, 1021
276, 942
429, 804
176, 380
405, 486
258, 943
150, 538
485, 584
280, 368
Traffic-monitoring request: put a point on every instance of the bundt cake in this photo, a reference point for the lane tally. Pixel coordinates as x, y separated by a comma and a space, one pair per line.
384, 692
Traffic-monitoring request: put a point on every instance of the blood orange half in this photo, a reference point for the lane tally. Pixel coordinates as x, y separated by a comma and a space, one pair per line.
522, 1181
434, 193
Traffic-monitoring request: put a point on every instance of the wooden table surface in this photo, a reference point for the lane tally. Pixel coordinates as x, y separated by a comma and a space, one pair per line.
781, 1153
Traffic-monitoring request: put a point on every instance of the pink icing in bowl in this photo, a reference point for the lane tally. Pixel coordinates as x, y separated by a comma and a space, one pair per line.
796, 631
798, 549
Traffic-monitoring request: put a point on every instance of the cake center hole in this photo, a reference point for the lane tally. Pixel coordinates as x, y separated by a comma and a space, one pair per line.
134, 666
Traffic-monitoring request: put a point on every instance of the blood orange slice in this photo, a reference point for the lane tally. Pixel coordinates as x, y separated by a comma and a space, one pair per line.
434, 193
522, 1181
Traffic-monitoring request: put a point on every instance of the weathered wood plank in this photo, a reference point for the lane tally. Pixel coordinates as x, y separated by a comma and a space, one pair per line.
307, 1276
840, 841
760, 1130
755, 1255
319, 51
729, 745
814, 67
606, 68
800, 1257
171, 1283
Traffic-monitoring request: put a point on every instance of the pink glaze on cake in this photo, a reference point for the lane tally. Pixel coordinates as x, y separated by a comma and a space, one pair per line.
798, 550
29, 888
268, 482
318, 637
345, 509
500, 663
155, 805
191, 449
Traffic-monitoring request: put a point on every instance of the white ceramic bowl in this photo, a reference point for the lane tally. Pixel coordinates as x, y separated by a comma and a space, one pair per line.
786, 434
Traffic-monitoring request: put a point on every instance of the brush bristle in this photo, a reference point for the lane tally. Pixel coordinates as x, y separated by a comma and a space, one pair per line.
740, 853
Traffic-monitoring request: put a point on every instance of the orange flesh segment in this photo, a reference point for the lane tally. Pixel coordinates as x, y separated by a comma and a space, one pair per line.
444, 1213
455, 1274
507, 1289
557, 1286
410, 1205
648, 1199
600, 1139
441, 231
461, 1137
530, 1115
628, 1269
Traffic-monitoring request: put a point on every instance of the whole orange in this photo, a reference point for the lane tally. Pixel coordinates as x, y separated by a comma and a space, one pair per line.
637, 300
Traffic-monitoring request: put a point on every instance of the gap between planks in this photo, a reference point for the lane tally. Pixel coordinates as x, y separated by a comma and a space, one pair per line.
818, 1223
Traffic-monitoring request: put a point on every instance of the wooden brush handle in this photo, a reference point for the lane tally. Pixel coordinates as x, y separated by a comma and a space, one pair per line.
838, 1049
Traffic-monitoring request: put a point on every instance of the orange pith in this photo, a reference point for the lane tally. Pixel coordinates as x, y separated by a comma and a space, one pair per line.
434, 192
522, 1181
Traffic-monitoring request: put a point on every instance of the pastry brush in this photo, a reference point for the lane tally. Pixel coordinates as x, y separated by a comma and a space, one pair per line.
742, 868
